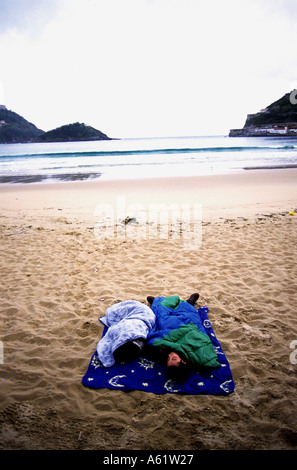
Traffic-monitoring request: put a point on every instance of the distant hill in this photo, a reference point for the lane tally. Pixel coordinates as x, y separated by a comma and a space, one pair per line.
72, 132
278, 119
15, 129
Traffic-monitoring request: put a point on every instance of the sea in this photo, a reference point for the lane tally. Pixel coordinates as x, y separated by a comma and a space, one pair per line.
132, 158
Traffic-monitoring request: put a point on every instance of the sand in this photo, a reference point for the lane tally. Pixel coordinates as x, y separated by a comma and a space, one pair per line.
65, 260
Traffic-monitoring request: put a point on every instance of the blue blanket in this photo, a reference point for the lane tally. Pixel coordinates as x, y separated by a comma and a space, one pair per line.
150, 376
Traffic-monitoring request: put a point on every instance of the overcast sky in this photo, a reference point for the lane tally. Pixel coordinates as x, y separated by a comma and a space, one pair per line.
140, 68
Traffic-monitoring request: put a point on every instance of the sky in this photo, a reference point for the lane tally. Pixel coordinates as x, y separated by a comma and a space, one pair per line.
146, 68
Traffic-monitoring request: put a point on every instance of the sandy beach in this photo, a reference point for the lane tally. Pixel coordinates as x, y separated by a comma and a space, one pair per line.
66, 256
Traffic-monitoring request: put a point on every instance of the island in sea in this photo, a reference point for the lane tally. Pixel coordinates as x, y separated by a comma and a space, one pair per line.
71, 133
278, 119
16, 129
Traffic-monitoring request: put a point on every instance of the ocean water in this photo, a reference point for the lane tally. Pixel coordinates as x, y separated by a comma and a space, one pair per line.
142, 158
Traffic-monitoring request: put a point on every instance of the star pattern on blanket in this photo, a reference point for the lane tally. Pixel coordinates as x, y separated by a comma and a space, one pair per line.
95, 362
146, 363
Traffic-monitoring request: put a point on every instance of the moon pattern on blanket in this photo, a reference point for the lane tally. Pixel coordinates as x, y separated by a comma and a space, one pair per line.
225, 386
169, 385
114, 381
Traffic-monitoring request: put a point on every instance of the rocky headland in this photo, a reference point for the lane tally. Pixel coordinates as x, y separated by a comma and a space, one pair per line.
15, 129
278, 119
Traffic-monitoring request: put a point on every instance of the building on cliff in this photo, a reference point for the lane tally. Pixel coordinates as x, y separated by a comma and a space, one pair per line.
278, 119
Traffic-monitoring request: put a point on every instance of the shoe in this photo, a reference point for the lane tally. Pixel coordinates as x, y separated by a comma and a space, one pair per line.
193, 299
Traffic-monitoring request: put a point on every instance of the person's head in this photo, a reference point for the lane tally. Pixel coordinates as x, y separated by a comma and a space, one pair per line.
174, 360
177, 368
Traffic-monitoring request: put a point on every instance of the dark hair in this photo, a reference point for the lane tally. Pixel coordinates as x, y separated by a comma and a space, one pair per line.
179, 373
129, 351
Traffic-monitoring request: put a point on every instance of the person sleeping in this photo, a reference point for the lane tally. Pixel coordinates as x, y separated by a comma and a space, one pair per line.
179, 337
128, 324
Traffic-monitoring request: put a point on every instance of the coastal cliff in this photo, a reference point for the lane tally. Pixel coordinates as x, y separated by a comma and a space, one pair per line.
278, 119
15, 129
